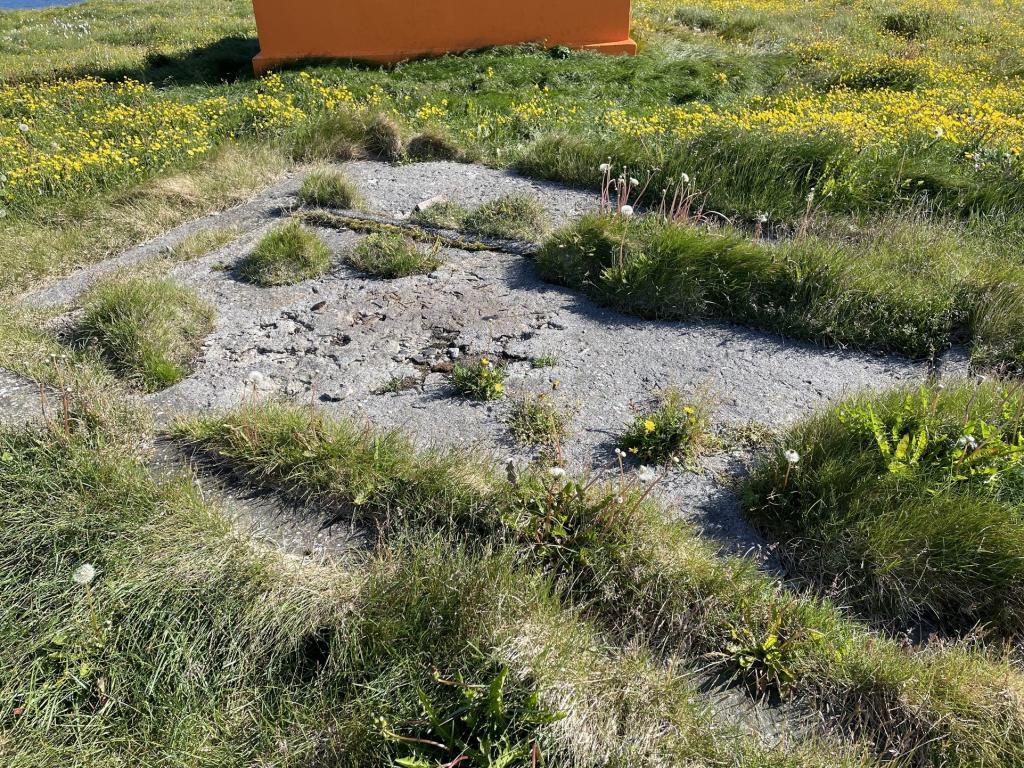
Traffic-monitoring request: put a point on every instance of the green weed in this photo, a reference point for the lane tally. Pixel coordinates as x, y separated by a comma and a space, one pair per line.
536, 420
481, 380
671, 431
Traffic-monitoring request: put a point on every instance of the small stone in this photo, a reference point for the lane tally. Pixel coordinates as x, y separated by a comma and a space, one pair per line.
454, 353
429, 203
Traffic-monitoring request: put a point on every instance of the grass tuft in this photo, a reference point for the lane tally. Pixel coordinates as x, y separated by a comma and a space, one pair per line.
430, 145
899, 293
383, 139
202, 243
536, 420
288, 254
333, 136
146, 331
513, 217
391, 255
329, 189
443, 215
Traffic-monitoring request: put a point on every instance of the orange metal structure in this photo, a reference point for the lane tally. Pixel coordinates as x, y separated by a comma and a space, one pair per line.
394, 30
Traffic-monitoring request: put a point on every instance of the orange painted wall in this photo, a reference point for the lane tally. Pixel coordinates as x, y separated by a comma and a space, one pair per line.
393, 30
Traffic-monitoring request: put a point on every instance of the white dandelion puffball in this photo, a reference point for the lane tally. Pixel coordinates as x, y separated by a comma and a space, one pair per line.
627, 211
604, 168
647, 474
686, 178
556, 472
84, 574
792, 457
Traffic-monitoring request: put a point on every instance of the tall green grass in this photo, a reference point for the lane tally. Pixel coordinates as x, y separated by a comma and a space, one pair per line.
613, 553
904, 291
192, 646
908, 503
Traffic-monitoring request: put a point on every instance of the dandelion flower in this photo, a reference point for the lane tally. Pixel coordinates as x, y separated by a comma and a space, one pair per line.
649, 426
84, 574
792, 457
627, 211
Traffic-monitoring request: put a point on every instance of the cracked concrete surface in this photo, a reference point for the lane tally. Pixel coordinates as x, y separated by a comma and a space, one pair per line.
339, 339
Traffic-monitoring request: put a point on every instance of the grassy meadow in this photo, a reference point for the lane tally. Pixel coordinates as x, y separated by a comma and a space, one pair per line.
848, 173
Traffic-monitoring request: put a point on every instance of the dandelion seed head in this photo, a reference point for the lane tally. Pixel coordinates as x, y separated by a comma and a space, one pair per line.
84, 574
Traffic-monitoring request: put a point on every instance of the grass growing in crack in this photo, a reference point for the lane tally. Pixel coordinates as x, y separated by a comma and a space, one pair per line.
902, 292
398, 384
673, 430
443, 215
480, 380
146, 331
512, 217
910, 502
544, 361
329, 189
202, 243
288, 254
391, 255
537, 420
614, 554
356, 224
